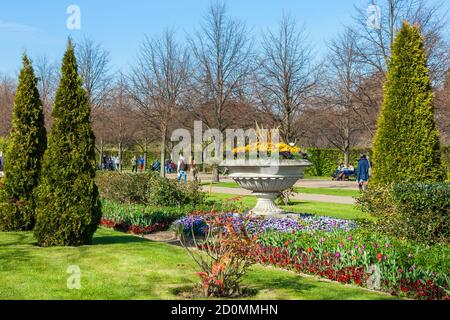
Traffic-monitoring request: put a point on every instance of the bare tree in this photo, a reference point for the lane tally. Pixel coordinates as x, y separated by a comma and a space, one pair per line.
7, 93
222, 61
158, 83
93, 65
340, 115
119, 121
374, 43
443, 110
285, 79
47, 74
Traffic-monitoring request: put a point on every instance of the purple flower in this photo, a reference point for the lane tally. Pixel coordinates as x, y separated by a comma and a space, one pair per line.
350, 238
337, 254
375, 245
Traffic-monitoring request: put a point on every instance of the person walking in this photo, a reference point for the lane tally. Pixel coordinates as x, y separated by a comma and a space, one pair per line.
362, 173
182, 168
133, 164
141, 163
193, 168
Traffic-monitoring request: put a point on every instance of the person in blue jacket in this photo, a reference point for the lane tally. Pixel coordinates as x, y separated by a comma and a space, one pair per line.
362, 173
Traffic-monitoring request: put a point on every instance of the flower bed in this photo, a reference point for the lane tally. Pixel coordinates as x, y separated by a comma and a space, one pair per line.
142, 219
303, 222
369, 260
337, 250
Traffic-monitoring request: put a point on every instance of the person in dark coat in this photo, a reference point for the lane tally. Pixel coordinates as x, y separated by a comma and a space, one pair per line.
362, 173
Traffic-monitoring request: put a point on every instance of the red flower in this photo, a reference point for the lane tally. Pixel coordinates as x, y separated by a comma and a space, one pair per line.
379, 256
310, 249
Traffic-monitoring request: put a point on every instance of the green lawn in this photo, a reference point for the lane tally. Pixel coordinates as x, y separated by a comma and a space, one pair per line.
325, 191
120, 266
329, 191
343, 211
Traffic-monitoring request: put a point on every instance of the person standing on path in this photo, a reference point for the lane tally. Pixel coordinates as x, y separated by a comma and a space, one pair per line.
193, 167
182, 168
133, 164
362, 174
141, 163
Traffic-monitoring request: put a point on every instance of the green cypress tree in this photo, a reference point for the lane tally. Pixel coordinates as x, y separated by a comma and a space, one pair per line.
23, 158
68, 207
406, 144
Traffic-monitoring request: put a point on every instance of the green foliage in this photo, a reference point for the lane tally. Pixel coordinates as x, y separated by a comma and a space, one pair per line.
148, 188
401, 263
143, 216
446, 159
23, 157
325, 160
123, 187
410, 210
69, 209
406, 144
3, 144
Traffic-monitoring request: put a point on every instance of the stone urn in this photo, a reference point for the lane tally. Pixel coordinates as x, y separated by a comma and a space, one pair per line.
266, 179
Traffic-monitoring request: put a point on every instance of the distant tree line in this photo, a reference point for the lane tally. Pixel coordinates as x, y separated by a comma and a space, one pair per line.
227, 76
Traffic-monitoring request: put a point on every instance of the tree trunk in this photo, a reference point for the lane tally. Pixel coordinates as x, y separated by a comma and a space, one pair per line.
215, 174
346, 153
145, 155
120, 156
101, 154
162, 171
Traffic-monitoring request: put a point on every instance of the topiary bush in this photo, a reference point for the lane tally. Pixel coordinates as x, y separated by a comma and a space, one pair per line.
406, 144
410, 210
23, 158
68, 206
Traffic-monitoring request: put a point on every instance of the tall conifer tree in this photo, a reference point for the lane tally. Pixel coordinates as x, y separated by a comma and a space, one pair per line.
68, 209
406, 144
23, 157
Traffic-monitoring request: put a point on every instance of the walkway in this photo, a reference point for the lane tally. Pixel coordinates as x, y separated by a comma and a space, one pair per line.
298, 196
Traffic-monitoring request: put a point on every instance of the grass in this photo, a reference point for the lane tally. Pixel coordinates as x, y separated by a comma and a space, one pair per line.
329, 191
324, 191
121, 266
343, 211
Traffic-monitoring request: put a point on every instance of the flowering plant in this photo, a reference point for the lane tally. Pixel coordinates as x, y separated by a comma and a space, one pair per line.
285, 151
225, 255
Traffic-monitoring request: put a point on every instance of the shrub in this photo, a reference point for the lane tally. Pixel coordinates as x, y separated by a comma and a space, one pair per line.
148, 188
68, 206
410, 210
406, 144
23, 158
325, 160
123, 187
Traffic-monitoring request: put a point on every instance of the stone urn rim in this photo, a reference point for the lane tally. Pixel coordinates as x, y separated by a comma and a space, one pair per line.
265, 162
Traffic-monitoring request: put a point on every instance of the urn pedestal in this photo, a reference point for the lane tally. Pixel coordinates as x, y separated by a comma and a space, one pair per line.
266, 180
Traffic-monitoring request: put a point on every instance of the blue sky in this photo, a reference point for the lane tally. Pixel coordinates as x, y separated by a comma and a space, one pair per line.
40, 26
